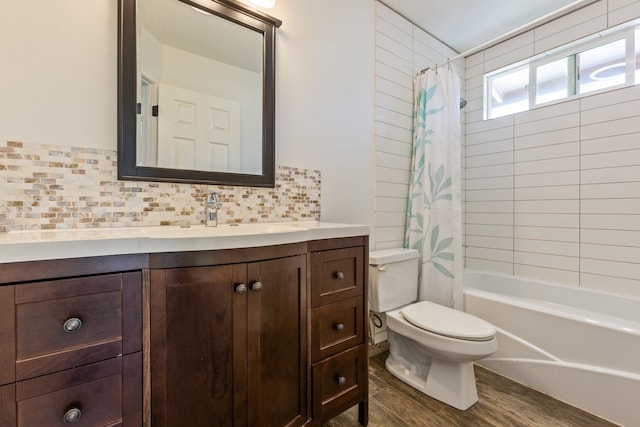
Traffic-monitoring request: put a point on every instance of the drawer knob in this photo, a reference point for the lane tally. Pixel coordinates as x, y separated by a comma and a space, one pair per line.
72, 324
72, 416
256, 286
341, 380
240, 289
338, 326
339, 275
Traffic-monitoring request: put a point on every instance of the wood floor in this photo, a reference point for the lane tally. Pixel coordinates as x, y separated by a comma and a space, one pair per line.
502, 402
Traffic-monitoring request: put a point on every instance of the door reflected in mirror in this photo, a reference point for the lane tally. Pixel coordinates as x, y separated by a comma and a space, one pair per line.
199, 90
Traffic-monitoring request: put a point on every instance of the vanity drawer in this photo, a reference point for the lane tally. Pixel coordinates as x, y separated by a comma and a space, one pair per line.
66, 323
336, 274
336, 327
92, 394
340, 381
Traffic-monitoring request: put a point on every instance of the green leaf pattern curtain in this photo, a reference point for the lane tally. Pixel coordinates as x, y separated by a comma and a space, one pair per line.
434, 219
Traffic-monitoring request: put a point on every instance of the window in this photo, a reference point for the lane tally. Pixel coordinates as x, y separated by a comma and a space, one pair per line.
585, 67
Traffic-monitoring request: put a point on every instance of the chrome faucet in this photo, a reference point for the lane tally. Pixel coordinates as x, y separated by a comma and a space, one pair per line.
211, 208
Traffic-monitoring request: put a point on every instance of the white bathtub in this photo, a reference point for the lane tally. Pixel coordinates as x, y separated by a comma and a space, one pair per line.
580, 346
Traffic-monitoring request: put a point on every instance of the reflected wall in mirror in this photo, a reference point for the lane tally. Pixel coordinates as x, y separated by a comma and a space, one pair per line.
196, 92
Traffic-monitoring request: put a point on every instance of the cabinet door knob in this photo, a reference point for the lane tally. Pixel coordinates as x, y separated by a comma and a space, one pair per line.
338, 326
72, 324
339, 275
240, 289
256, 286
72, 416
341, 380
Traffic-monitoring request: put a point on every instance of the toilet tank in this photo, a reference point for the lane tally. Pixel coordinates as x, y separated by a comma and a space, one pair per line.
393, 278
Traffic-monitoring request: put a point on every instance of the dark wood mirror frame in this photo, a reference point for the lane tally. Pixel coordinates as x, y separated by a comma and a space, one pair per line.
127, 167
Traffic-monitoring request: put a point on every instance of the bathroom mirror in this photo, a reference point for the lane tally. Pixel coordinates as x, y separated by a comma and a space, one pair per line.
196, 92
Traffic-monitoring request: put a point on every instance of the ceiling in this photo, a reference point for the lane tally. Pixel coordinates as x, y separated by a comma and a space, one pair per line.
466, 24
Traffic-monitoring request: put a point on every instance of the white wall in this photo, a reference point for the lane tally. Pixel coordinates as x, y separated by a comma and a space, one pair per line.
58, 78
58, 86
324, 99
554, 193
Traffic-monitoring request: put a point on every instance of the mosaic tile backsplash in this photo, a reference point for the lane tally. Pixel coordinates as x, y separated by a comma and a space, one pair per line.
48, 187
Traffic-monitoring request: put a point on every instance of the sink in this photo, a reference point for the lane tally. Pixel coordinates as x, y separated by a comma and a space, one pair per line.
222, 230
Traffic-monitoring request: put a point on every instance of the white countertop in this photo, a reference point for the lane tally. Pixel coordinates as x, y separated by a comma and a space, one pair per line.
19, 246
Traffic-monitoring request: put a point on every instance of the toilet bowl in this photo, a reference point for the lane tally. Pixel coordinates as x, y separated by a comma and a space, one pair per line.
431, 347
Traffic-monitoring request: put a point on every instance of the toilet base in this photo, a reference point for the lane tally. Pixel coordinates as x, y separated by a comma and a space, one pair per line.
451, 382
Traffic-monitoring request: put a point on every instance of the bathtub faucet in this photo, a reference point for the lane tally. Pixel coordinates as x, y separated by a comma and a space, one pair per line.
211, 208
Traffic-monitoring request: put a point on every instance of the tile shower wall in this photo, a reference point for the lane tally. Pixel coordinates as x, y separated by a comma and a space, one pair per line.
402, 50
46, 187
554, 193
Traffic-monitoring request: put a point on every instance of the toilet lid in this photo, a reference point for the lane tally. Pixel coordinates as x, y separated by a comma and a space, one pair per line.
447, 321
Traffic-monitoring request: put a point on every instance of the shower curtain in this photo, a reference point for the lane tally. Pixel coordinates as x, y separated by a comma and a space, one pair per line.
434, 219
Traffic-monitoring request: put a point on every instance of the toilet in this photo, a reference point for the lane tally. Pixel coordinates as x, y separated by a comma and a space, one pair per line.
431, 347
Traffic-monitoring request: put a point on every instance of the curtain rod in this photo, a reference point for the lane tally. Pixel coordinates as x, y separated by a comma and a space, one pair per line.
565, 10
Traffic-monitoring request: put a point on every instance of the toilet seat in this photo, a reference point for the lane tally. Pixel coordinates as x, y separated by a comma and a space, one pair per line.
448, 322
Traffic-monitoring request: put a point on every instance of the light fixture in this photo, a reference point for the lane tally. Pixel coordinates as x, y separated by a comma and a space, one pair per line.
267, 4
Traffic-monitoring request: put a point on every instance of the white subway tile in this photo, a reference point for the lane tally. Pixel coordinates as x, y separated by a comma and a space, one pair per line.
387, 43
555, 151
616, 285
543, 139
559, 192
385, 189
389, 58
505, 231
551, 124
547, 233
390, 204
393, 146
489, 159
551, 275
498, 146
610, 222
505, 122
394, 18
567, 108
621, 190
490, 135
610, 175
507, 47
393, 89
509, 58
622, 11
489, 171
611, 206
489, 183
612, 97
611, 112
577, 32
613, 159
389, 219
395, 33
489, 207
571, 263
547, 206
482, 195
490, 242
570, 249
488, 265
490, 219
611, 237
390, 234
623, 270
394, 104
393, 132
560, 220
384, 115
611, 253
547, 179
489, 254
388, 174
613, 127
549, 165
610, 143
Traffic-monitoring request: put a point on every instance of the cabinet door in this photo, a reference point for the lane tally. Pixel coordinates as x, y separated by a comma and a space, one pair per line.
277, 342
193, 315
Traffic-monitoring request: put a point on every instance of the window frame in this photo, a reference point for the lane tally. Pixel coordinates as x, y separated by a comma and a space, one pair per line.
570, 51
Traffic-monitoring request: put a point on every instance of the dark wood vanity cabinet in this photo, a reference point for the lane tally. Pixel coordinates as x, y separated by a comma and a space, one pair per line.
71, 343
228, 341
255, 337
339, 348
